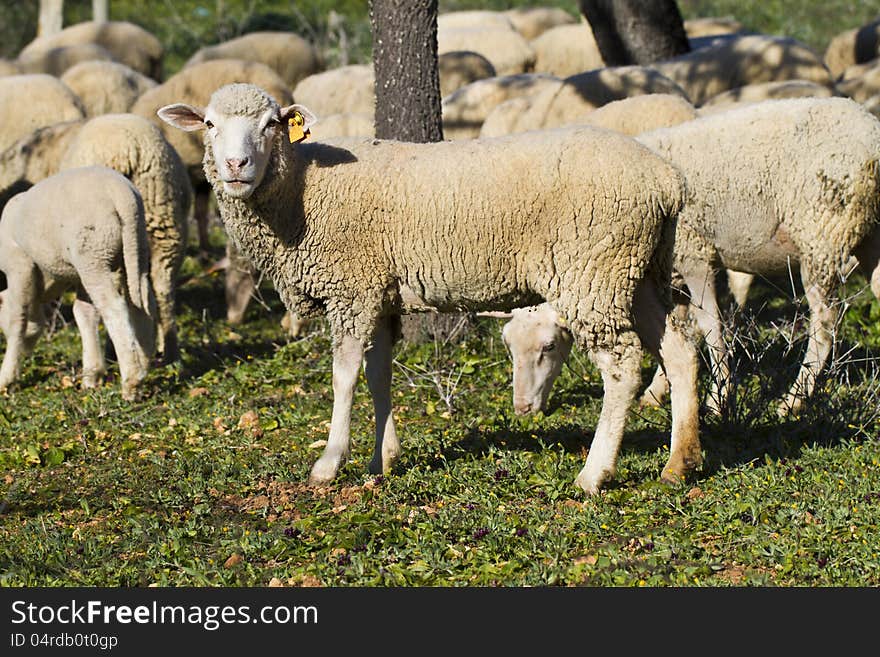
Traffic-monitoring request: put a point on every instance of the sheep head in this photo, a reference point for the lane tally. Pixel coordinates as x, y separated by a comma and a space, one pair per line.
243, 123
539, 343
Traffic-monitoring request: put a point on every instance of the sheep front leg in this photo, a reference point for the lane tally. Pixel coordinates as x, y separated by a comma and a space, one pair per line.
15, 326
87, 321
347, 356
621, 377
378, 371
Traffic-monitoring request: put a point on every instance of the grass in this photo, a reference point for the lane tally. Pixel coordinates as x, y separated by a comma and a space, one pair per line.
202, 482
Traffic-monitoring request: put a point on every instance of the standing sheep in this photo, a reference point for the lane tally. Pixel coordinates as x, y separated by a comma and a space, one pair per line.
590, 229
106, 87
82, 229
775, 184
289, 55
29, 102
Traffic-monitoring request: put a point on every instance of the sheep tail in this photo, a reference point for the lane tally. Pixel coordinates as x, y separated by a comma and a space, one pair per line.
136, 256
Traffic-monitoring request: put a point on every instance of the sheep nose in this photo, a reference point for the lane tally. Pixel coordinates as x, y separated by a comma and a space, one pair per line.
235, 164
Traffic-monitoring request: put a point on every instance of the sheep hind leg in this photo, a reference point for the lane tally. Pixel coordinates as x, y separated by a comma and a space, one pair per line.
378, 373
656, 392
664, 335
621, 375
822, 317
87, 321
347, 356
239, 285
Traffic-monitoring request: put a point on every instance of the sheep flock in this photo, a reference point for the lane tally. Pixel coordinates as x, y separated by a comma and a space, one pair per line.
592, 206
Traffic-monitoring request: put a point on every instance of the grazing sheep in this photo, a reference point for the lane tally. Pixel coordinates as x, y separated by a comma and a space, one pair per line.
532, 22
567, 50
289, 55
106, 87
854, 46
196, 84
505, 48
771, 185
48, 101
729, 63
570, 100
755, 93
589, 229
465, 110
58, 60
82, 229
460, 67
126, 42
134, 147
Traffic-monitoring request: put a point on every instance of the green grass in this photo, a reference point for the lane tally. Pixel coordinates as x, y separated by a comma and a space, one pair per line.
202, 482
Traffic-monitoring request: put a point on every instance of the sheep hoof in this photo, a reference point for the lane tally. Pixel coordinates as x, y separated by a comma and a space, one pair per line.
590, 483
324, 471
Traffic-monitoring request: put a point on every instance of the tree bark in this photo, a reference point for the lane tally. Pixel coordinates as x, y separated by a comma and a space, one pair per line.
636, 31
51, 18
100, 11
405, 62
408, 109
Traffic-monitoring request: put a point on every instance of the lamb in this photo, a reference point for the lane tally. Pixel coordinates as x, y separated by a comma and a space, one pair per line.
48, 101
289, 55
135, 148
106, 87
333, 224
126, 42
81, 228
771, 184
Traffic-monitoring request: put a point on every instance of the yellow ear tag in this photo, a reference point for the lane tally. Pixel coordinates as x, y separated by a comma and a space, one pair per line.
295, 128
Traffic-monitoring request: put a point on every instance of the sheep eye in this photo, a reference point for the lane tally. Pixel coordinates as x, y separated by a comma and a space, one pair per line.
547, 348
209, 125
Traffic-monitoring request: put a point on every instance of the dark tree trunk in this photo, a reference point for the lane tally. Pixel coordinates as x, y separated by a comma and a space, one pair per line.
636, 31
408, 109
405, 62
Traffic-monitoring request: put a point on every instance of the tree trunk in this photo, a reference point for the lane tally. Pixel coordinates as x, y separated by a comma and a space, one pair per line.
100, 11
636, 31
405, 62
51, 17
408, 109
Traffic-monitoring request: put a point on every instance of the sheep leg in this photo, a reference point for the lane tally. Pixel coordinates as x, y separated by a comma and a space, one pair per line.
621, 375
165, 262
655, 393
18, 304
868, 254
201, 201
700, 280
15, 326
664, 335
118, 319
739, 284
347, 356
239, 285
821, 329
87, 321
378, 373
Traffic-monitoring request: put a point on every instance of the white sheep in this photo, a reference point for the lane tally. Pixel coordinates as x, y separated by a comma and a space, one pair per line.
854, 46
457, 68
532, 22
567, 50
504, 47
354, 228
778, 184
56, 61
755, 93
135, 148
342, 90
29, 102
710, 26
288, 54
128, 43
83, 229
106, 87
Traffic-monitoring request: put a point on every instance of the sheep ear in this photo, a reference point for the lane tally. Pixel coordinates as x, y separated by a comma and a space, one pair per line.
182, 116
299, 120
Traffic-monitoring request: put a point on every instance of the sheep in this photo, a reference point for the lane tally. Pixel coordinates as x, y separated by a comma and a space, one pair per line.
465, 110
532, 22
106, 87
195, 85
589, 229
474, 19
134, 147
770, 185
754, 93
854, 46
343, 90
571, 99
734, 62
708, 26
289, 55
863, 87
84, 229
567, 50
126, 42
48, 101
460, 67
58, 60
9, 67
505, 48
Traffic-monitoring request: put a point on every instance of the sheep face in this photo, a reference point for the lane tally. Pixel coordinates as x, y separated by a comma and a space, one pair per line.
538, 344
243, 124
